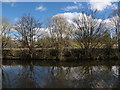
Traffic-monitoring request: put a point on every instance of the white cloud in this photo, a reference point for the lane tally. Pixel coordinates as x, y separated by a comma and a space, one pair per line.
68, 8
43, 31
75, 2
68, 15
114, 6
40, 8
100, 5
71, 16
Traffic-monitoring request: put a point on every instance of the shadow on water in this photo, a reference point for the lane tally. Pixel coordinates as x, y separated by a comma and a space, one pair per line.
42, 74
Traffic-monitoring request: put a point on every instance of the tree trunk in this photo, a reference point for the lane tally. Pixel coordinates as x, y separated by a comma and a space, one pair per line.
31, 52
60, 54
119, 45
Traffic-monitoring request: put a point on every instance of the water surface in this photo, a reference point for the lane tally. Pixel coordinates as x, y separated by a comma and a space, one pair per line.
44, 74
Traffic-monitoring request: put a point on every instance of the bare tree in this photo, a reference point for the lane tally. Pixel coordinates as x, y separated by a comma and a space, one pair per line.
116, 25
27, 29
116, 21
60, 33
5, 32
88, 31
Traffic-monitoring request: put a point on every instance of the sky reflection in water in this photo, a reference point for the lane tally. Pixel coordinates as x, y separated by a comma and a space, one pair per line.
46, 76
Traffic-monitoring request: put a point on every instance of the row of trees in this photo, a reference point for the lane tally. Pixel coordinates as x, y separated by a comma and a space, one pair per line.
87, 32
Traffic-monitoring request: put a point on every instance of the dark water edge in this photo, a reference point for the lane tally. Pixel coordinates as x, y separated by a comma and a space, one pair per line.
63, 60
56, 74
57, 62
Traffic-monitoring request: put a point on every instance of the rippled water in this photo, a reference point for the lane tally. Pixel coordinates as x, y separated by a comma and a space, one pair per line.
45, 74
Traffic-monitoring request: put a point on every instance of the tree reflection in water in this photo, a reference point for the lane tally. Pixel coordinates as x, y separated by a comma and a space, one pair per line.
31, 75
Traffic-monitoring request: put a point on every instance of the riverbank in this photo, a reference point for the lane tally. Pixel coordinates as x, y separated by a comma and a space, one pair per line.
75, 54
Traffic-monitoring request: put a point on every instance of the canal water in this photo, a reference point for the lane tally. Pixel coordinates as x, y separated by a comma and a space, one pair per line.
52, 74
